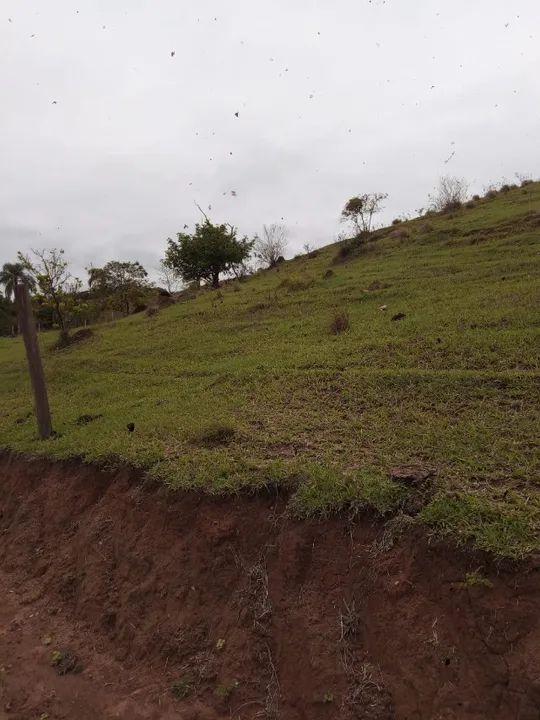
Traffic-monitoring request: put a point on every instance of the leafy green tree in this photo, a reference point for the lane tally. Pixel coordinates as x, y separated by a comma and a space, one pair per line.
12, 273
8, 320
210, 251
121, 284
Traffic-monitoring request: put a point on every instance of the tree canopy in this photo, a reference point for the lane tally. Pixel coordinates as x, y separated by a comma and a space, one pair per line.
120, 283
11, 274
210, 251
361, 209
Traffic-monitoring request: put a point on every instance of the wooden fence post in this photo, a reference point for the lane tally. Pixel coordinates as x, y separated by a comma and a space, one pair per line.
27, 328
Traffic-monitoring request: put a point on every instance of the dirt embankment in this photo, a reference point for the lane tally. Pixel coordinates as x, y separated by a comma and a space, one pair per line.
118, 601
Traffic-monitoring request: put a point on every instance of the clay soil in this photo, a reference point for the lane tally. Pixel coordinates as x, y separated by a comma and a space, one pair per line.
118, 600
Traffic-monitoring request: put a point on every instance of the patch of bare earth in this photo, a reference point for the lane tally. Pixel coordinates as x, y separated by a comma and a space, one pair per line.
118, 601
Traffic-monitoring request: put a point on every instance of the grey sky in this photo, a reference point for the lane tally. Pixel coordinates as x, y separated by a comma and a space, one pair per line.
334, 99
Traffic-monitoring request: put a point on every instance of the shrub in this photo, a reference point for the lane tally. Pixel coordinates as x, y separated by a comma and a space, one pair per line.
340, 323
353, 246
505, 188
345, 250
525, 182
453, 206
65, 339
270, 247
151, 311
491, 194
396, 221
328, 274
450, 195
476, 198
470, 204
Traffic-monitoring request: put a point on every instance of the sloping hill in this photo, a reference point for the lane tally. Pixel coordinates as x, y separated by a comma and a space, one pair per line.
248, 386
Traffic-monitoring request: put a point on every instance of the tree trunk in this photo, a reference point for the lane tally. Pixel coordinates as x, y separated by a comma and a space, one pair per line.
215, 279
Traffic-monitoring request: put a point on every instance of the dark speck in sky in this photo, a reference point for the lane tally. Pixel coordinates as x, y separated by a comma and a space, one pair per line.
173, 53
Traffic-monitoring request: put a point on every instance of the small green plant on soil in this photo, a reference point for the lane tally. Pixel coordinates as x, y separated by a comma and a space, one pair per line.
476, 579
183, 687
328, 698
65, 662
225, 689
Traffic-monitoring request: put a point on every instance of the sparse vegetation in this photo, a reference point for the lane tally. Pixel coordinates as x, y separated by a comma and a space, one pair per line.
270, 247
359, 210
225, 689
453, 385
450, 195
476, 579
183, 687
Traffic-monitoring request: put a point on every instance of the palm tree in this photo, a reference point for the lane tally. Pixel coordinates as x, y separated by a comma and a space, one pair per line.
13, 273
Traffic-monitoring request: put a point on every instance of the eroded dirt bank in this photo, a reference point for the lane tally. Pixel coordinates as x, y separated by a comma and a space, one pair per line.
193, 608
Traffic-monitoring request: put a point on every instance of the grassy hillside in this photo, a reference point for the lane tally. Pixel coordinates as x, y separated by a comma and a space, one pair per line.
247, 386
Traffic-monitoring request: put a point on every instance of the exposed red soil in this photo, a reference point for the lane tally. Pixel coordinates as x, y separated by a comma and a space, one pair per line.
243, 612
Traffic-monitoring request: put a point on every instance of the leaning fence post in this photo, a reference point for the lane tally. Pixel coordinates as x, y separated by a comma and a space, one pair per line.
27, 328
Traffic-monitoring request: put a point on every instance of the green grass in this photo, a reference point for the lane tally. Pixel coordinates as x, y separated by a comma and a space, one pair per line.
248, 388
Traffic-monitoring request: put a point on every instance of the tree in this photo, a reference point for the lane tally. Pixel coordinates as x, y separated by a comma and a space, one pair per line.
8, 320
272, 245
451, 194
12, 273
168, 277
54, 282
120, 283
208, 252
360, 210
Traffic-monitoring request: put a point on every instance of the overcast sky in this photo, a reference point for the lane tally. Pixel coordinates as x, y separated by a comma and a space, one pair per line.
107, 138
